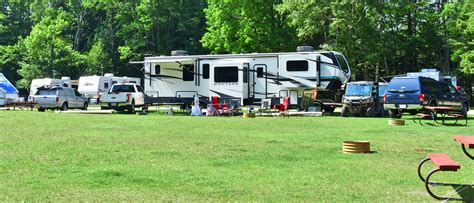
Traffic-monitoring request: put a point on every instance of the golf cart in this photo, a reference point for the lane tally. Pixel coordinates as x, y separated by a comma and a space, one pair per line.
363, 98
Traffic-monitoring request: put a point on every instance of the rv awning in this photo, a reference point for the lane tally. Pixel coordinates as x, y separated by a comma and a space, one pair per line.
163, 61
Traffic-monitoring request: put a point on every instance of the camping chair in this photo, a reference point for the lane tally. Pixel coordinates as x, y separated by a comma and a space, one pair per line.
211, 111
231, 108
265, 107
215, 102
283, 108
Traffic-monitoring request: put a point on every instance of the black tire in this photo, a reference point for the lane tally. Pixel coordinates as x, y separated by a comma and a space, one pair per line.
329, 109
345, 111
41, 110
464, 109
131, 108
394, 113
64, 107
370, 112
103, 108
85, 106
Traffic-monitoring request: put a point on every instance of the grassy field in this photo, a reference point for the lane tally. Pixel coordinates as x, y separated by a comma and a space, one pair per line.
51, 157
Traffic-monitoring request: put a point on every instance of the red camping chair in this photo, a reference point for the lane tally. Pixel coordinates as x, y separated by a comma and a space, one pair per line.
215, 102
283, 108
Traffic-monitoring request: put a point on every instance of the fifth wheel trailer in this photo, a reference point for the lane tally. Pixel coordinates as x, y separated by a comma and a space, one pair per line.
247, 77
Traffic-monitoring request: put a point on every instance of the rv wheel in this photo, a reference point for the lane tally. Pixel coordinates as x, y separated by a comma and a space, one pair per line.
41, 110
329, 109
345, 111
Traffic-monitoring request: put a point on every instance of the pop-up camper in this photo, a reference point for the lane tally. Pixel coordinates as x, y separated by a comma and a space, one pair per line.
248, 77
8, 92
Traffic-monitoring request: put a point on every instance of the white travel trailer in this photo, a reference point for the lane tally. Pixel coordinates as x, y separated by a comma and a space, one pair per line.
92, 86
248, 77
8, 92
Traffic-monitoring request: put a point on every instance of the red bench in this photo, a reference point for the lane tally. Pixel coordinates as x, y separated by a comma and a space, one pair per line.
466, 141
443, 162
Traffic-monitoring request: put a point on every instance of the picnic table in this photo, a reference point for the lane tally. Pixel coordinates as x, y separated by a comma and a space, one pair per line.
20, 105
444, 113
444, 163
466, 141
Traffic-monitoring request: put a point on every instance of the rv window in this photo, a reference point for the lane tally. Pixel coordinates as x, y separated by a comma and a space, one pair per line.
205, 71
188, 72
106, 85
342, 63
226, 74
259, 72
156, 70
113, 82
246, 74
64, 84
297, 66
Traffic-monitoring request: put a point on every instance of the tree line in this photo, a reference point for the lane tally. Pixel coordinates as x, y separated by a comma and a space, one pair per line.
52, 38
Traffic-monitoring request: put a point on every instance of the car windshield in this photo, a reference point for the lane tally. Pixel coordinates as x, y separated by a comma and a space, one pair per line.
382, 89
122, 88
358, 90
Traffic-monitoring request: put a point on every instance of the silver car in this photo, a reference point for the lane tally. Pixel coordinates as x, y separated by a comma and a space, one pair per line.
57, 97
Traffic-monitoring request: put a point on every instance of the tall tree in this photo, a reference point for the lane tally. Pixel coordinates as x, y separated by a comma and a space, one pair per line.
239, 26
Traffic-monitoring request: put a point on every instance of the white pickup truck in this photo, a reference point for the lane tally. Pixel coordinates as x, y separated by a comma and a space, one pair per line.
123, 96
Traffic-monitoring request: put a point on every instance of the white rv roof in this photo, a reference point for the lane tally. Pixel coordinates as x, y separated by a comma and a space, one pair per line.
190, 58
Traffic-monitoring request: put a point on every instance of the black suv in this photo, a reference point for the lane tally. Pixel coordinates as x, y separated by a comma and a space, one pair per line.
408, 94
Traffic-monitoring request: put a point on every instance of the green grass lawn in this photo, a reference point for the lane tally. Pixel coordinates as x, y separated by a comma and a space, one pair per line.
50, 157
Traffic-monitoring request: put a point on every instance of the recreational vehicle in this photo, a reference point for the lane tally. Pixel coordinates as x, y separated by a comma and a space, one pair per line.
248, 77
8, 92
63, 82
92, 86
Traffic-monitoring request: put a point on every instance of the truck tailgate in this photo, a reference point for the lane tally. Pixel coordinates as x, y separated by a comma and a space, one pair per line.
113, 98
45, 99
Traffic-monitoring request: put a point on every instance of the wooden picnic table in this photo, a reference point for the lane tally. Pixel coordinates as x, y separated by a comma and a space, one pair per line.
466, 141
21, 105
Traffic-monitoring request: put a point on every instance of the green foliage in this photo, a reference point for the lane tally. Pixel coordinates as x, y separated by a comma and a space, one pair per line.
48, 51
461, 30
242, 26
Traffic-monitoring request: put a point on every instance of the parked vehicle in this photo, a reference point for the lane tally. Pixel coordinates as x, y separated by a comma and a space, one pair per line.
8, 92
92, 86
49, 82
123, 96
180, 78
412, 94
362, 98
57, 97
